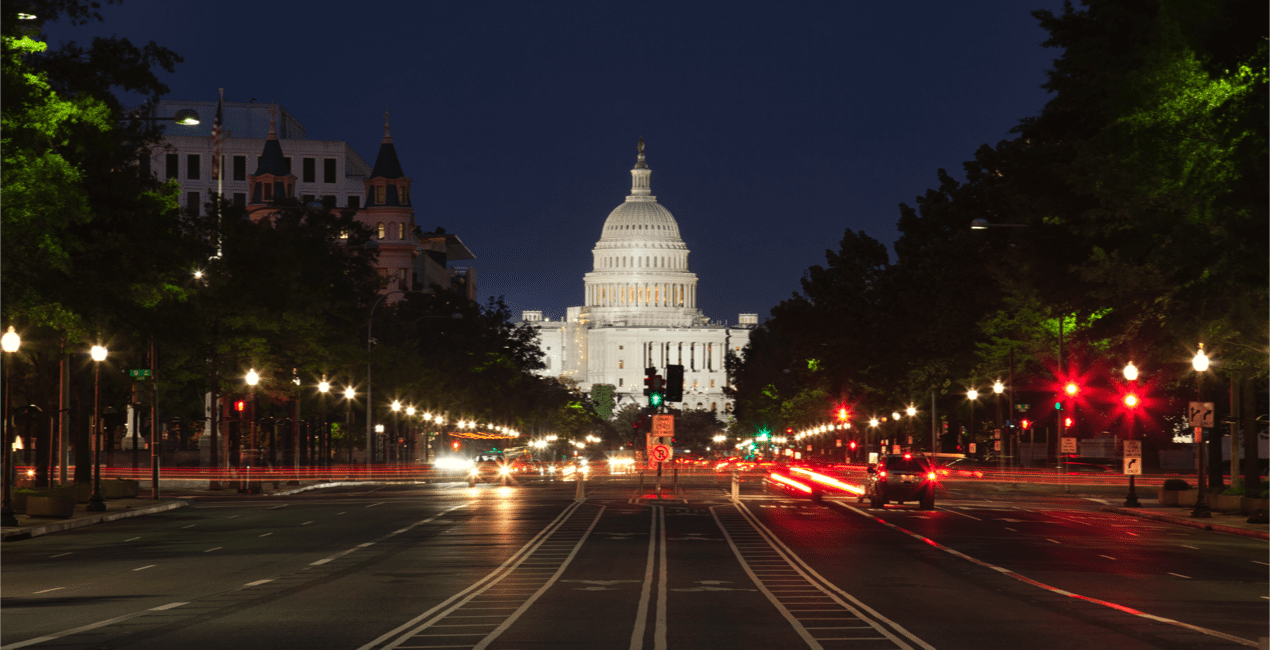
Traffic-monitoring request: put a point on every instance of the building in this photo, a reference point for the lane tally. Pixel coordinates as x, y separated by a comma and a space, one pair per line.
641, 311
263, 147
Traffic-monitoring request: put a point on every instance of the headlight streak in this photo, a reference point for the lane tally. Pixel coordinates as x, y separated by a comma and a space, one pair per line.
829, 481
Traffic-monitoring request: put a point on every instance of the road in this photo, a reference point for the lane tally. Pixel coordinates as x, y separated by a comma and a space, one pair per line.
444, 566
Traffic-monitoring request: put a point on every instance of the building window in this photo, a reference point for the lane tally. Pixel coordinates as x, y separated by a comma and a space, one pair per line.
621, 364
308, 167
240, 200
307, 198
547, 363
328, 201
328, 170
379, 194
405, 194
355, 202
191, 202
288, 159
240, 168
619, 381
714, 406
711, 383
618, 347
192, 166
268, 191
381, 229
343, 234
173, 162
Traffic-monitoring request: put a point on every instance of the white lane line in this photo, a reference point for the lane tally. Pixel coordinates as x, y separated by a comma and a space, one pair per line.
959, 513
148, 566
1107, 556
266, 534
189, 526
65, 554
1052, 540
278, 507
259, 582
659, 632
85, 628
232, 517
1178, 575
346, 552
1190, 547
213, 549
1254, 562
376, 504
641, 613
45, 591
1011, 529
132, 540
306, 523
339, 513
1056, 590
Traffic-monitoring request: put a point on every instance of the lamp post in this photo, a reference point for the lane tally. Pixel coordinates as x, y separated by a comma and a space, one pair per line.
410, 434
10, 343
396, 431
252, 378
868, 435
96, 503
1131, 403
997, 389
1200, 363
324, 433
971, 396
349, 394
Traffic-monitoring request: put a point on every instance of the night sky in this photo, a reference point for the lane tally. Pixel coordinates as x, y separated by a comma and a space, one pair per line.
771, 127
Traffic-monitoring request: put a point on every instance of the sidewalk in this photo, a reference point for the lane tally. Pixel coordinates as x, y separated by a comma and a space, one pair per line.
1220, 522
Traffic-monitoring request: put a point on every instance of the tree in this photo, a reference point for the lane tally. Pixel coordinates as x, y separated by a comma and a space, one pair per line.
602, 397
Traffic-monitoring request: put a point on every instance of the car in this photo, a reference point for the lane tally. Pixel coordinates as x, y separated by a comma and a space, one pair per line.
900, 478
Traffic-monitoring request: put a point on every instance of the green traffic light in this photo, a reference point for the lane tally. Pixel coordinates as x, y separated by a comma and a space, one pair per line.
1058, 406
654, 399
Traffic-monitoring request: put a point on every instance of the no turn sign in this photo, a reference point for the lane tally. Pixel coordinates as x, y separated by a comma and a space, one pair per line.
660, 453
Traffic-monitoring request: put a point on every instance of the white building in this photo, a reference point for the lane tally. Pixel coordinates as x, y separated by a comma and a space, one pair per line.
641, 311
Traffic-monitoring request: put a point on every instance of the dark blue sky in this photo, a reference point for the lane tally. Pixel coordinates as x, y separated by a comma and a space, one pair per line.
771, 127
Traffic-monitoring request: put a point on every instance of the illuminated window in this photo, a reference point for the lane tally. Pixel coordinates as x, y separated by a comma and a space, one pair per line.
379, 194
343, 234
621, 364
381, 228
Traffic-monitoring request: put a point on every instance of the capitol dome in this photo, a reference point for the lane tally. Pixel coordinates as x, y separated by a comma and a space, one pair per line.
640, 272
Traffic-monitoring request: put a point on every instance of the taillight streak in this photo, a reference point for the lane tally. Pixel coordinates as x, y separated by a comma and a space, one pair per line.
789, 481
829, 480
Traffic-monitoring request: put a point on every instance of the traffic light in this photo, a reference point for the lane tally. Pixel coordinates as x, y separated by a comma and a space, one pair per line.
657, 391
843, 414
1026, 424
1068, 422
649, 374
240, 406
674, 383
1071, 388
1058, 405
852, 444
1131, 401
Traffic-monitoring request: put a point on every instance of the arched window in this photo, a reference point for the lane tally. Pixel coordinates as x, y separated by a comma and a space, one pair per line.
381, 229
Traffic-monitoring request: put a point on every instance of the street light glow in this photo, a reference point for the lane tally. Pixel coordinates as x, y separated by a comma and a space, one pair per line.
10, 341
410, 410
396, 405
1200, 362
911, 410
972, 394
349, 393
873, 422
1131, 372
324, 385
1071, 388
998, 387
252, 377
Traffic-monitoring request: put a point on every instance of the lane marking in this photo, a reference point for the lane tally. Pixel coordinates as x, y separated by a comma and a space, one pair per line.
148, 566
1052, 540
189, 526
339, 513
266, 534
419, 523
1056, 590
232, 517
278, 507
85, 628
641, 613
376, 504
65, 554
959, 513
132, 540
259, 582
306, 523
1011, 529
45, 591
1178, 575
1107, 556
1190, 547
213, 549
1254, 562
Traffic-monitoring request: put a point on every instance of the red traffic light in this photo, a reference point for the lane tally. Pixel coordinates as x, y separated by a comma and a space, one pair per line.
1068, 422
789, 431
843, 414
1131, 400
240, 405
1071, 388
1026, 424
853, 444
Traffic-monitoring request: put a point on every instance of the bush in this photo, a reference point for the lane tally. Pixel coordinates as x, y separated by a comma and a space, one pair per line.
1265, 494
1236, 490
1176, 484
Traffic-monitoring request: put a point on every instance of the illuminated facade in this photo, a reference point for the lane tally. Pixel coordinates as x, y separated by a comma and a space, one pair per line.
641, 311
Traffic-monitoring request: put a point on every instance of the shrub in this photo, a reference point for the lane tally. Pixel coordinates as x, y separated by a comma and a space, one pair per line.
1176, 484
1236, 490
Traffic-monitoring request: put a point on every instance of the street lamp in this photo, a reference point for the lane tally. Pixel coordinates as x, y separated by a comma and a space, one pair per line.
96, 503
10, 343
1200, 363
410, 433
324, 436
252, 378
349, 394
1131, 403
997, 389
396, 430
971, 396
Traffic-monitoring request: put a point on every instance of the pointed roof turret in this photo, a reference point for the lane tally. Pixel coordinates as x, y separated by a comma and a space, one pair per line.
386, 163
271, 159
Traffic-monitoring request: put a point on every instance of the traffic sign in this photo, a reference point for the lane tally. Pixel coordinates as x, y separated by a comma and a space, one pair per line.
660, 453
1132, 466
141, 373
663, 426
1133, 449
1069, 446
1200, 414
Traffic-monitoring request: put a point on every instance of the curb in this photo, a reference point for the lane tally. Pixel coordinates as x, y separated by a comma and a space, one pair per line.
1192, 523
36, 531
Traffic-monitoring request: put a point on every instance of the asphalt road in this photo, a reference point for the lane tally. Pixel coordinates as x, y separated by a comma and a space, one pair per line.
444, 566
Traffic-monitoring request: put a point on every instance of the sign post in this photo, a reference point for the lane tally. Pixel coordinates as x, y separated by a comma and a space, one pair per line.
660, 441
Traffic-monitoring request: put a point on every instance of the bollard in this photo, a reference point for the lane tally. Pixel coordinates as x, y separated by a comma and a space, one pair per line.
736, 487
580, 493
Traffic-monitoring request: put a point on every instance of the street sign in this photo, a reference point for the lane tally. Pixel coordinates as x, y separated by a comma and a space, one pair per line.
660, 453
972, 447
1200, 414
895, 449
141, 373
1132, 466
1069, 446
1133, 448
663, 426
996, 445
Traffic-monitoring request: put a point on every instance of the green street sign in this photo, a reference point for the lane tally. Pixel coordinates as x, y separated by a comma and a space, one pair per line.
142, 373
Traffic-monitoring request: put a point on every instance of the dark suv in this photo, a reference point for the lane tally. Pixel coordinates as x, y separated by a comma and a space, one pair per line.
900, 478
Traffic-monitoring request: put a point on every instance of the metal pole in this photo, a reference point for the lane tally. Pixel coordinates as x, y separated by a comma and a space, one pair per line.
96, 503
63, 417
7, 517
154, 422
934, 427
1200, 511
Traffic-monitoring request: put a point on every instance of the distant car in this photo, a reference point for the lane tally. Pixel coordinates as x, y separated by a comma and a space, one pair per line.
901, 478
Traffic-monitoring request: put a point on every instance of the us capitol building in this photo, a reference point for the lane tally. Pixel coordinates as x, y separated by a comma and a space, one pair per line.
641, 311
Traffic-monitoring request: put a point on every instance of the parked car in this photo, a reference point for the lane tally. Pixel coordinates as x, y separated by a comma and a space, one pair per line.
901, 478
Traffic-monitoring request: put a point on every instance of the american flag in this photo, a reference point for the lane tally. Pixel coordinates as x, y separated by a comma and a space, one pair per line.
217, 161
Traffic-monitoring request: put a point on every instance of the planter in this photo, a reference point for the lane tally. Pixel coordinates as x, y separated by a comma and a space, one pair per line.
1186, 498
1248, 504
119, 489
1169, 497
1224, 502
50, 506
